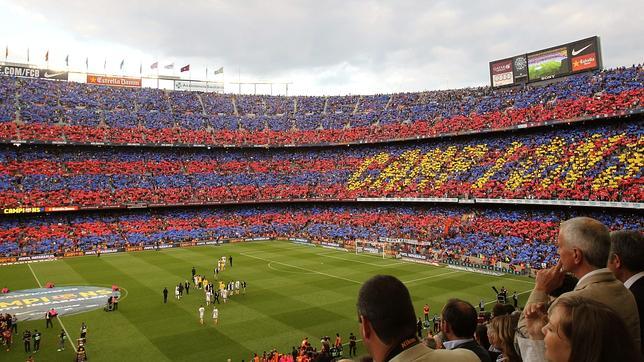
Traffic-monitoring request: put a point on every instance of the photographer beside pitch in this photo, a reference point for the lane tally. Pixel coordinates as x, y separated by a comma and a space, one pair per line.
388, 325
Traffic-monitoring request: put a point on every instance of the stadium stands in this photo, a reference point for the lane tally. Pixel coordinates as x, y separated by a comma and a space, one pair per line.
516, 236
601, 162
595, 158
47, 111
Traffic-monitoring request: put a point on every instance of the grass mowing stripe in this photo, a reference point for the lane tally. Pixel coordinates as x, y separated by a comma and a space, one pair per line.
176, 343
278, 319
60, 320
299, 267
278, 310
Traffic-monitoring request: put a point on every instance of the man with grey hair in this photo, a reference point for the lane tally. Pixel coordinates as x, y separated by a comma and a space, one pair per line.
583, 247
626, 261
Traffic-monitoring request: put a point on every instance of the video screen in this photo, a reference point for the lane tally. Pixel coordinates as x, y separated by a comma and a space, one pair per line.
548, 64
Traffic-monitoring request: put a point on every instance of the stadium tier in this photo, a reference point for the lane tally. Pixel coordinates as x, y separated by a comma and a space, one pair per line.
49, 111
584, 162
520, 237
448, 155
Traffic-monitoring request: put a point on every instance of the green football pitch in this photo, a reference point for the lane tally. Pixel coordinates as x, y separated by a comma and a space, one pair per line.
545, 69
294, 291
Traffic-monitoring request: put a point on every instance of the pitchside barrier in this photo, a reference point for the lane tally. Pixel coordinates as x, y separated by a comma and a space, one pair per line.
183, 244
484, 269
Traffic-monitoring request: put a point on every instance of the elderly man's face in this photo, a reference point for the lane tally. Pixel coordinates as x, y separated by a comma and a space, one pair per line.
566, 254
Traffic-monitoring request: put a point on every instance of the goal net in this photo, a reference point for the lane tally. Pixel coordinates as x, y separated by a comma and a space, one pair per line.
372, 247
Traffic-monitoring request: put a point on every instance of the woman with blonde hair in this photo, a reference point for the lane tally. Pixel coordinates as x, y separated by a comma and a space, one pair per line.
501, 331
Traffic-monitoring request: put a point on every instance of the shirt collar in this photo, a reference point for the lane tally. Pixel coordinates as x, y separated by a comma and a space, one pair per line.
630, 281
596, 271
455, 343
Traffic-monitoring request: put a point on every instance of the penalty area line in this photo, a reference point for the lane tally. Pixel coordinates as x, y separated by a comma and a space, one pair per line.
299, 267
431, 276
59, 318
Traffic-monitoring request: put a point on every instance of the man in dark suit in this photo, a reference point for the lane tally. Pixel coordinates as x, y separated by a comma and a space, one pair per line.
458, 323
626, 261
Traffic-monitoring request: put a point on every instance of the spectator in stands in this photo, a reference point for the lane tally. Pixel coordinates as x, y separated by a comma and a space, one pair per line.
482, 339
627, 264
458, 323
501, 330
583, 248
388, 324
66, 110
582, 329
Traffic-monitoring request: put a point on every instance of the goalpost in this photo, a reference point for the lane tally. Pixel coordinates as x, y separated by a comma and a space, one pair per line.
371, 247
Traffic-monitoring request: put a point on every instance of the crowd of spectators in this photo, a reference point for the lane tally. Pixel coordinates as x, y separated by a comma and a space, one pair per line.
41, 110
584, 308
524, 238
585, 162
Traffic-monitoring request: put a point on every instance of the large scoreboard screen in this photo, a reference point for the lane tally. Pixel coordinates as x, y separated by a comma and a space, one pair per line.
558, 61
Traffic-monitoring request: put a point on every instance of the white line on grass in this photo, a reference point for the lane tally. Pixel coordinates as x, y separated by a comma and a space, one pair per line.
431, 276
357, 261
299, 267
284, 271
59, 319
35, 277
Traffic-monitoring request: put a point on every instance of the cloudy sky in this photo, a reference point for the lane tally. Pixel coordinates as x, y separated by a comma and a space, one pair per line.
322, 47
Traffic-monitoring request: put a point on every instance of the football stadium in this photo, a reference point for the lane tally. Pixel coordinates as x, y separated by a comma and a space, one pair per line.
167, 216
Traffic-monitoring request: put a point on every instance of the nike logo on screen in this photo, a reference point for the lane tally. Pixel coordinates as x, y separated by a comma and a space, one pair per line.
47, 75
575, 52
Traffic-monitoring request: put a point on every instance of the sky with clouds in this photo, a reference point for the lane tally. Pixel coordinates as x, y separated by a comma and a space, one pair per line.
322, 47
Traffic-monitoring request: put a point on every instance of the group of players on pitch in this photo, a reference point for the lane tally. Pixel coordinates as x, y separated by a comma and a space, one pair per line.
213, 292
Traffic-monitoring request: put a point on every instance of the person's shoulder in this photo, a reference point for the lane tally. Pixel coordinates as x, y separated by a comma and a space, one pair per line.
458, 354
422, 353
